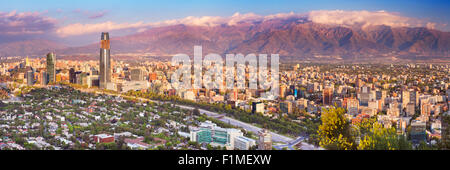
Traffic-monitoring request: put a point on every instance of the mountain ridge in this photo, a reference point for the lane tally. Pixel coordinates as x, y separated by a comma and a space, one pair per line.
295, 38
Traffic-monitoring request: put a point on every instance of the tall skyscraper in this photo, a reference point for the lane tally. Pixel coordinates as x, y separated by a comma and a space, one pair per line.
27, 62
72, 75
51, 67
44, 78
105, 60
30, 78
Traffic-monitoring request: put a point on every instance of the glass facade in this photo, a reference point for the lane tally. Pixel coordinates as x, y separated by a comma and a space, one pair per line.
105, 60
212, 134
51, 67
204, 136
220, 137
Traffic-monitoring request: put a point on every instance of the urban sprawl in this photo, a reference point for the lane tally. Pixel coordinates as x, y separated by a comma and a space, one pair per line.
54, 104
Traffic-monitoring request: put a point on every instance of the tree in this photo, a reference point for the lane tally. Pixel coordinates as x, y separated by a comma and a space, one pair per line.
209, 147
196, 112
380, 138
334, 132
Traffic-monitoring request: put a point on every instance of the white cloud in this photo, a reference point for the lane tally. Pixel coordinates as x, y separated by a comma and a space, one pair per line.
237, 17
81, 29
19, 26
210, 21
365, 18
13, 23
337, 17
284, 16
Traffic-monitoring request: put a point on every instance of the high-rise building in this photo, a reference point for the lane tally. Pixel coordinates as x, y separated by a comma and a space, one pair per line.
418, 131
365, 95
283, 88
265, 140
286, 106
51, 67
380, 95
105, 60
425, 109
327, 95
410, 109
44, 78
405, 98
72, 76
352, 106
27, 62
137, 74
30, 78
414, 97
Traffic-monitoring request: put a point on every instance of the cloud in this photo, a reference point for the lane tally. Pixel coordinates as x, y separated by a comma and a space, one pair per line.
249, 17
232, 20
90, 14
81, 29
191, 20
98, 15
284, 16
366, 18
336, 17
14, 25
208, 21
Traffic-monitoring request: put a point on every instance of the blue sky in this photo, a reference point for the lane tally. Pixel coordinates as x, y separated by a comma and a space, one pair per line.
154, 10
67, 12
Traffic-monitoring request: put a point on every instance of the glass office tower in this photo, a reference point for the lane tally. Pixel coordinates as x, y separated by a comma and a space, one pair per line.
51, 67
105, 61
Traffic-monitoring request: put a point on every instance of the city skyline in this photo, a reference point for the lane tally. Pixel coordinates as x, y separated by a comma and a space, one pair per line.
237, 76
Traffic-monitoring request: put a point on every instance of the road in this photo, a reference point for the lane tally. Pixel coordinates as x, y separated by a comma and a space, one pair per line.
303, 146
249, 127
275, 136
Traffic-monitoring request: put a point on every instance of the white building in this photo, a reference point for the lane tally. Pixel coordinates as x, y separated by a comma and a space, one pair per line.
189, 95
243, 143
135, 85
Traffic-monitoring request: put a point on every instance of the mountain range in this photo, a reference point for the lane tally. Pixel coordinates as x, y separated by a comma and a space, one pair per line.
290, 38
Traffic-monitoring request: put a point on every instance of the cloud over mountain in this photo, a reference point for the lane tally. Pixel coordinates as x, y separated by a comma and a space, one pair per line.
208, 21
366, 18
337, 32
361, 19
16, 26
81, 29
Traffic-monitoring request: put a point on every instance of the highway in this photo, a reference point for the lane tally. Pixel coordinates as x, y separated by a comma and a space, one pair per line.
275, 136
303, 146
249, 127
